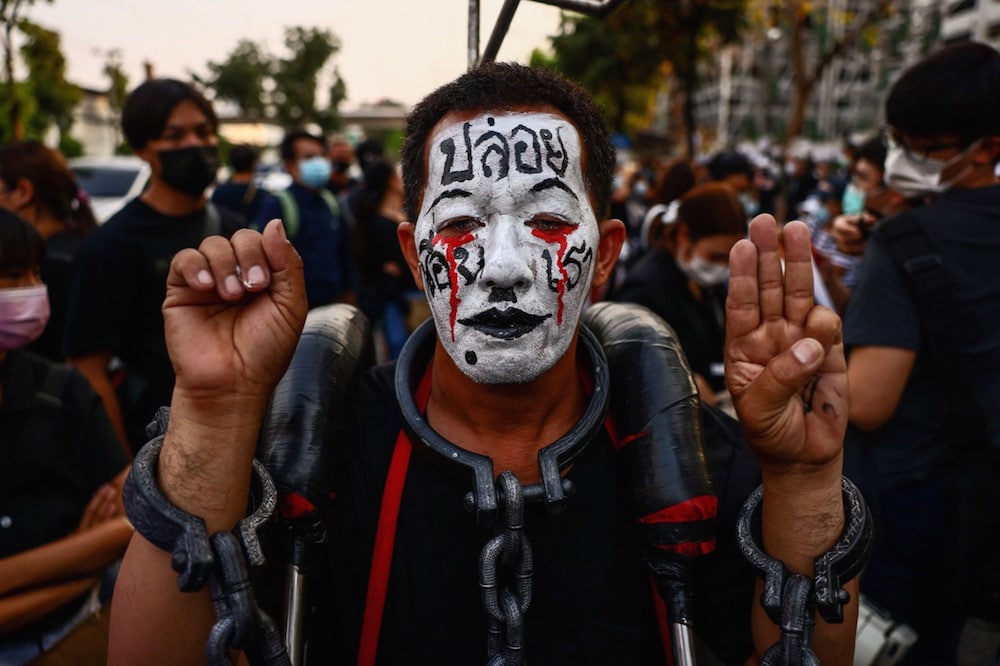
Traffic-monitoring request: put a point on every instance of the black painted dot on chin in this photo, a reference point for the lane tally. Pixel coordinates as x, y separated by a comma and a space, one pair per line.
471, 358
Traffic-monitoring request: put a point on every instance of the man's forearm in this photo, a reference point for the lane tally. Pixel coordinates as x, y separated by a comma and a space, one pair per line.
802, 517
79, 554
205, 470
94, 368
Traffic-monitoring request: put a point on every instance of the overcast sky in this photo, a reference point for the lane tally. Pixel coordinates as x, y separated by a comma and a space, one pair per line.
400, 49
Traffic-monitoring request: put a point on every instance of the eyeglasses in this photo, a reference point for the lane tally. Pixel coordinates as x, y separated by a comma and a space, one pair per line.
893, 139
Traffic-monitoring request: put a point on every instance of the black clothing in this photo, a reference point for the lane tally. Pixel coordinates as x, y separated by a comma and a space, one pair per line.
57, 274
659, 284
592, 598
118, 289
235, 197
962, 225
379, 245
55, 452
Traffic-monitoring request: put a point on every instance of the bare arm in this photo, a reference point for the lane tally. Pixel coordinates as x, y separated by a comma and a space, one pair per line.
786, 371
229, 343
877, 376
20, 610
95, 368
82, 553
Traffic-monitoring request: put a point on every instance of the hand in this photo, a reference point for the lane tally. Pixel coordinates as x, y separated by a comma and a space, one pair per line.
231, 335
785, 364
846, 231
101, 507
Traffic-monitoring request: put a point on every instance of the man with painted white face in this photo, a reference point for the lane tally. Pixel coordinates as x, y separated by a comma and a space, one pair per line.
508, 176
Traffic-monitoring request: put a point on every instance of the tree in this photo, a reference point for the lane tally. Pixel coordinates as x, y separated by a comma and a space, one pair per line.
240, 78
297, 76
622, 59
801, 17
264, 86
55, 98
10, 15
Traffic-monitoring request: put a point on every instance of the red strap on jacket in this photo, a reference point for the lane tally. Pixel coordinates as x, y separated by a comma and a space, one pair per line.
385, 538
385, 535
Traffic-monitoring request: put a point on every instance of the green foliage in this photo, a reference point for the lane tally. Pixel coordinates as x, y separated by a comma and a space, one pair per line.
69, 146
623, 59
262, 85
240, 78
54, 97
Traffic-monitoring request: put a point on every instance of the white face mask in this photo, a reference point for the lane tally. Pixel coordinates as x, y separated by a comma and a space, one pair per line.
507, 240
704, 273
913, 178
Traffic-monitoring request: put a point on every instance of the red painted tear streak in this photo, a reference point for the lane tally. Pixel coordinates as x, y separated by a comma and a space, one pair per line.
450, 243
558, 236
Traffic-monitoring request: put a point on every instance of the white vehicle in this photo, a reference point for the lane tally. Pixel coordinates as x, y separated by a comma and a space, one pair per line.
110, 181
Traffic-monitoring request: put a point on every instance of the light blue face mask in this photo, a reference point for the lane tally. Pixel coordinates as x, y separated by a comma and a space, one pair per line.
315, 172
750, 205
853, 201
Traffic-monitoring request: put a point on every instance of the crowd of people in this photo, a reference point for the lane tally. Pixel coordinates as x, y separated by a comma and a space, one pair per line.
507, 217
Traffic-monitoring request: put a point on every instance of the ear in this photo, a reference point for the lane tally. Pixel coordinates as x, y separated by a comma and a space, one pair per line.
405, 232
609, 246
23, 193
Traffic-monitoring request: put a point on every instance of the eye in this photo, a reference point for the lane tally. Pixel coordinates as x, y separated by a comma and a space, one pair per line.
459, 225
550, 223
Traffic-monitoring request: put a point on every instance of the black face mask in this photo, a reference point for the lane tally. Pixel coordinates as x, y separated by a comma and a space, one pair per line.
189, 170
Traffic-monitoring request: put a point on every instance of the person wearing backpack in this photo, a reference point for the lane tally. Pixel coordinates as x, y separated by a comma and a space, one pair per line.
313, 220
61, 473
924, 355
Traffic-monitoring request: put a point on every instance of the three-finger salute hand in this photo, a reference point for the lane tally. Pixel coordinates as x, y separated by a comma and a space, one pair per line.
785, 364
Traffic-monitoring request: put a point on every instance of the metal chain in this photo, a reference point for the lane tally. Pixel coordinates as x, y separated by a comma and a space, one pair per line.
240, 622
505, 570
797, 624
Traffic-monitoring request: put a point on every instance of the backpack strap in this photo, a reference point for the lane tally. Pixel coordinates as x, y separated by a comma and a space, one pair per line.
916, 257
55, 383
290, 209
289, 213
248, 197
213, 220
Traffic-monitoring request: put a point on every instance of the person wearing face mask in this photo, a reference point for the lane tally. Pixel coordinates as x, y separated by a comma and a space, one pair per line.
924, 379
683, 279
37, 184
313, 219
119, 277
61, 471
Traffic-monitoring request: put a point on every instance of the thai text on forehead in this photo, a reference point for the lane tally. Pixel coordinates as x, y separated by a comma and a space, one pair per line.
490, 153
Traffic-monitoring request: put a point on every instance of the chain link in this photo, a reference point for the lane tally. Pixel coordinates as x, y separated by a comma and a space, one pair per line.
797, 624
505, 570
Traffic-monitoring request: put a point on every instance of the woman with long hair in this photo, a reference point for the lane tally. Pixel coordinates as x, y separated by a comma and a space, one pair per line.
37, 184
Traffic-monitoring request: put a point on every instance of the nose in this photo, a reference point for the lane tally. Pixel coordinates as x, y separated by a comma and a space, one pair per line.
505, 259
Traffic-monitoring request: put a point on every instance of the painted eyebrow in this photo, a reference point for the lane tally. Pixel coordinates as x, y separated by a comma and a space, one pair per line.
450, 194
553, 182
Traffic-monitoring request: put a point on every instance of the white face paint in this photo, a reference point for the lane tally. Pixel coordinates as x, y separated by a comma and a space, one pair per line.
507, 240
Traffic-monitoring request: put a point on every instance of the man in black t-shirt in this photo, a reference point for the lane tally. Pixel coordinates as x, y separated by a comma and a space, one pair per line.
121, 269
508, 178
943, 145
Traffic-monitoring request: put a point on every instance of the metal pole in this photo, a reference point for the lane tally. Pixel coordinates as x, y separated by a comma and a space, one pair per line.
295, 614
500, 30
473, 55
682, 639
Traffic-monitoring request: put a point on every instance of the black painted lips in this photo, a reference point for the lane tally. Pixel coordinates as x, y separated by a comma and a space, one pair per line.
504, 324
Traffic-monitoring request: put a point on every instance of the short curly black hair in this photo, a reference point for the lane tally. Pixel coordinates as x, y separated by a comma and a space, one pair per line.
497, 86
